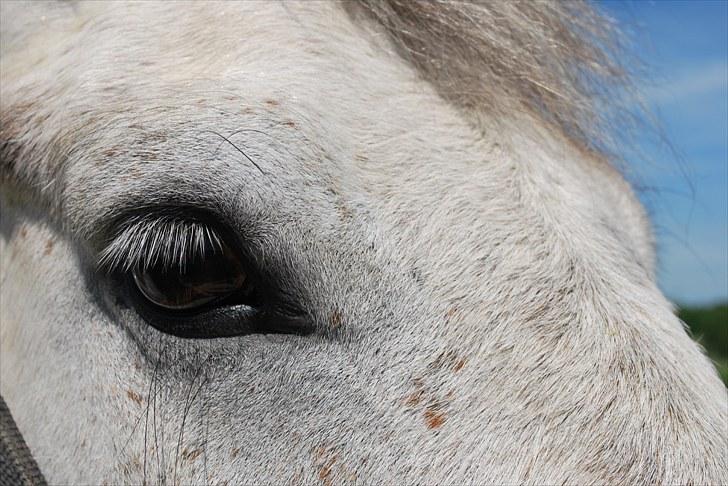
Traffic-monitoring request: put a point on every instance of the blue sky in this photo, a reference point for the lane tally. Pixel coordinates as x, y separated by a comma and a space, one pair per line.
685, 46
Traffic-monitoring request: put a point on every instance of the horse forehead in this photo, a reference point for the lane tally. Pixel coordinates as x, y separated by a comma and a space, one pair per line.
169, 87
268, 42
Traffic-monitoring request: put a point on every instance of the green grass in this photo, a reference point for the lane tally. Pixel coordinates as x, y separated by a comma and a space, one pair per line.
709, 326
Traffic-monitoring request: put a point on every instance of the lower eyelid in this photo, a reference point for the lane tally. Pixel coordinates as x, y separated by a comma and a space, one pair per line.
215, 323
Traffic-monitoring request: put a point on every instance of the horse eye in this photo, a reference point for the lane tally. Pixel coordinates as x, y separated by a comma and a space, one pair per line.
196, 283
210, 288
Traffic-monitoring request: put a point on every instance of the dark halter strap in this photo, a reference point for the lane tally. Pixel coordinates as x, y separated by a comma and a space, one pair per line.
17, 466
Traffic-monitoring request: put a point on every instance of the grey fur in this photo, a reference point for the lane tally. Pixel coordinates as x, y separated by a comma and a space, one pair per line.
483, 289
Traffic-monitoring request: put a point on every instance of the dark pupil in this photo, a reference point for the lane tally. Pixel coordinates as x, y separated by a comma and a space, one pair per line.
200, 281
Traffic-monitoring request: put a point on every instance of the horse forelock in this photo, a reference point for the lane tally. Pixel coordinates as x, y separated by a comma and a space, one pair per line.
564, 62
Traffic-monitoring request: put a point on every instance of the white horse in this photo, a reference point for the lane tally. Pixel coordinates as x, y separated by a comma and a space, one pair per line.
395, 221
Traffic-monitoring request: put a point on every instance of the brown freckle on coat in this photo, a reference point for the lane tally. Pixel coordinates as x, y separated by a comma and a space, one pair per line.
324, 475
414, 398
324, 460
443, 359
459, 364
434, 419
48, 247
335, 319
191, 455
325, 470
234, 452
289, 123
271, 102
23, 232
133, 396
110, 152
343, 210
451, 313
319, 452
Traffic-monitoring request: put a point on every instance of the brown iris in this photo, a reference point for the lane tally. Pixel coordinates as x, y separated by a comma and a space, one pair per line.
200, 281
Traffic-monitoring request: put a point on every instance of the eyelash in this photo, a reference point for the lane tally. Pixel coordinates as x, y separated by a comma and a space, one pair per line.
146, 240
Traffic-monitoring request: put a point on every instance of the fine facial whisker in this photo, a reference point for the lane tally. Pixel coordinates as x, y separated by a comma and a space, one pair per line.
189, 400
226, 139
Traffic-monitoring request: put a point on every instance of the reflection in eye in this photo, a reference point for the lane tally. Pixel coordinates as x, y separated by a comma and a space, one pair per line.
214, 275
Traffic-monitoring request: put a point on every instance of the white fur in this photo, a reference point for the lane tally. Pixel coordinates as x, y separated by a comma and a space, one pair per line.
486, 298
